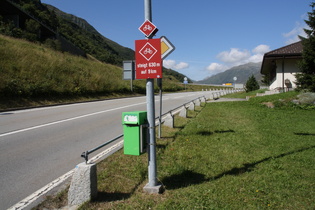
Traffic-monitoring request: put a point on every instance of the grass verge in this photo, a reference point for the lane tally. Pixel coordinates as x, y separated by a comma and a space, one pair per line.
244, 94
229, 155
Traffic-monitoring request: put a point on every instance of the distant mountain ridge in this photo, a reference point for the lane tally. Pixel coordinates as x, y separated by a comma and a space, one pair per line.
77, 20
242, 73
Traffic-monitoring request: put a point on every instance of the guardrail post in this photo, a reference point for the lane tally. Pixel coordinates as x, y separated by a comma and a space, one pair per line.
183, 112
197, 102
169, 120
83, 184
191, 106
217, 95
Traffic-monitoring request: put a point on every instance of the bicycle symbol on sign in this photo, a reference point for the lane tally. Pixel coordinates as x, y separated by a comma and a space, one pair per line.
148, 50
147, 27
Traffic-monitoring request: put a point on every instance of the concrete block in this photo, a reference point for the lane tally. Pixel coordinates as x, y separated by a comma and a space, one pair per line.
197, 102
191, 106
169, 120
83, 184
183, 112
153, 189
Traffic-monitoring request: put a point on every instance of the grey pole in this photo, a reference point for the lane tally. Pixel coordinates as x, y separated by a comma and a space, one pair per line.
147, 10
152, 186
159, 81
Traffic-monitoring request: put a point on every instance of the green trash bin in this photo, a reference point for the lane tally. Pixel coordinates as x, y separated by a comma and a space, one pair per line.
135, 132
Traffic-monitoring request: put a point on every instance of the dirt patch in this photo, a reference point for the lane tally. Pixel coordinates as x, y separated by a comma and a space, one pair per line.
269, 104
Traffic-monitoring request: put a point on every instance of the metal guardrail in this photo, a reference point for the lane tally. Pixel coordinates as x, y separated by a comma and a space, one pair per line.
177, 109
85, 154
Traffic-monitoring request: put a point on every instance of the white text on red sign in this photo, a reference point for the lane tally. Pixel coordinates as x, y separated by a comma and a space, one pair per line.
146, 65
148, 59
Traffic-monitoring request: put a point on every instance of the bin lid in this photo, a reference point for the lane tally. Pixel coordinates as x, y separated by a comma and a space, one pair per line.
136, 118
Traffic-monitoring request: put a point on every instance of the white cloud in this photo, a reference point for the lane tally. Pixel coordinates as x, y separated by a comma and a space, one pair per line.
259, 52
236, 57
171, 64
181, 65
254, 58
216, 67
293, 35
233, 56
261, 49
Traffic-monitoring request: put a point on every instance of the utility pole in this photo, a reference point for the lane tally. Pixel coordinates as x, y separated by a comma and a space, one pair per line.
152, 186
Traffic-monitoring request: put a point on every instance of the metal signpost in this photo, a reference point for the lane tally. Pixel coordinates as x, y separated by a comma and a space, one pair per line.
129, 72
153, 186
149, 54
185, 82
166, 48
234, 78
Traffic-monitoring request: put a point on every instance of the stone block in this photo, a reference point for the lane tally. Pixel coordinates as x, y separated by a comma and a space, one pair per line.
83, 184
183, 112
191, 106
169, 120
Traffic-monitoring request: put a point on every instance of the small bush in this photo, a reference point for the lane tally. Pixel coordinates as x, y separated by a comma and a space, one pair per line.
307, 98
251, 84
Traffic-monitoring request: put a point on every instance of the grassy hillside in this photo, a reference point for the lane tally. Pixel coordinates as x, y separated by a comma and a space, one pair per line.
79, 32
31, 70
76, 30
31, 75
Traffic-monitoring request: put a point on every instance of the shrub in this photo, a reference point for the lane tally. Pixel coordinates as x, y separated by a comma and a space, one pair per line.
251, 84
306, 98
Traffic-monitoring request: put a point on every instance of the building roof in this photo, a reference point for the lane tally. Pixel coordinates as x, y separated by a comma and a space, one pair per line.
290, 51
294, 49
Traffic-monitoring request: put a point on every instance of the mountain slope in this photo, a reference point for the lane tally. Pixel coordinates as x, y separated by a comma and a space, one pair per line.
242, 72
36, 18
72, 23
76, 30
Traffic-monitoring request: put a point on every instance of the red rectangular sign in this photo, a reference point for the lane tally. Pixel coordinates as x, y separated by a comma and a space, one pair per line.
148, 59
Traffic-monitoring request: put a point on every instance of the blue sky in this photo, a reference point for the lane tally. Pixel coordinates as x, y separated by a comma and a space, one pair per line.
210, 36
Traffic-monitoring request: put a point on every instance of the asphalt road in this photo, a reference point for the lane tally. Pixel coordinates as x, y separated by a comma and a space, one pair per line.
39, 145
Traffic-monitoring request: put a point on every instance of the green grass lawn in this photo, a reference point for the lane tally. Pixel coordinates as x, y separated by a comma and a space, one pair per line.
229, 155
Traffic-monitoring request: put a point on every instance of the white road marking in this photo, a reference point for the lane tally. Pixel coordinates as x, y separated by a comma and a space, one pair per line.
66, 120
42, 191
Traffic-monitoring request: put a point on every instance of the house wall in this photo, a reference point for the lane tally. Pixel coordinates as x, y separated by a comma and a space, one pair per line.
290, 70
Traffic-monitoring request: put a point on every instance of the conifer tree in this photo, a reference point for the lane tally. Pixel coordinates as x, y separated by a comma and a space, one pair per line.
251, 84
306, 79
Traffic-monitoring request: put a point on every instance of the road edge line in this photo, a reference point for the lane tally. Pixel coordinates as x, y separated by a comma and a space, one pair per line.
26, 202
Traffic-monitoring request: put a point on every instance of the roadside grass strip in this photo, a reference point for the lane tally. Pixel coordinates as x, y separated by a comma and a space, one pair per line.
229, 155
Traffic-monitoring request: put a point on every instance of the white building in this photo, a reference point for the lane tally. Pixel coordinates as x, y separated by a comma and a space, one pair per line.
281, 65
